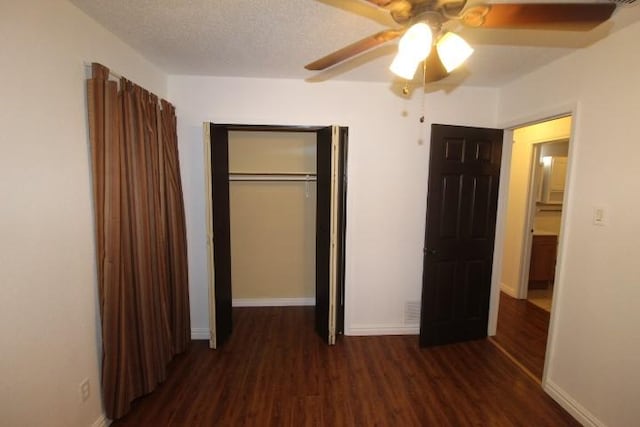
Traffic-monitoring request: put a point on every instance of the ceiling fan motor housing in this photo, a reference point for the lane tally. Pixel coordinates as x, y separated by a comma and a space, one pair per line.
410, 11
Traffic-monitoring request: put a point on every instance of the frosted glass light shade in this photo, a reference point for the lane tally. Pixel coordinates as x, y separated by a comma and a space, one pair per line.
414, 46
404, 66
453, 51
416, 42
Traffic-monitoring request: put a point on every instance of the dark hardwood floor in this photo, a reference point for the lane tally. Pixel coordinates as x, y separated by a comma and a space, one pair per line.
274, 371
522, 332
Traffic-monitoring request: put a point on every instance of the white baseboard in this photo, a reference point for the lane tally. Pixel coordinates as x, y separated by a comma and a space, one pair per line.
102, 421
578, 411
200, 333
273, 302
389, 329
509, 290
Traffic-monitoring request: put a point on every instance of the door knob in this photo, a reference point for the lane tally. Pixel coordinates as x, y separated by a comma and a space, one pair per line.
430, 251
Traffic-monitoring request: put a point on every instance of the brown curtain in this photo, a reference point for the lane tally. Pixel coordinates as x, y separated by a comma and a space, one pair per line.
140, 237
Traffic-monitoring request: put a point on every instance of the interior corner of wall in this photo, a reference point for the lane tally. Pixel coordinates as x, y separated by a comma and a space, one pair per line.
579, 412
509, 290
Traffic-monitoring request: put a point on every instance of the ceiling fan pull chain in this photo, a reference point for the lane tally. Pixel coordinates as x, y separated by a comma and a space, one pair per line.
424, 88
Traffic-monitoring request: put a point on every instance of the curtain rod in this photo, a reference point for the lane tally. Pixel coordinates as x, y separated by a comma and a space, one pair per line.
118, 76
111, 72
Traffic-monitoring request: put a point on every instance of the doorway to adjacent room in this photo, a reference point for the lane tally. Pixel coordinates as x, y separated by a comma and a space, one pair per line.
539, 161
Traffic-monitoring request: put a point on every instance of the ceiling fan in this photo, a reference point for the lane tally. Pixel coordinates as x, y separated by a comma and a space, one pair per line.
423, 26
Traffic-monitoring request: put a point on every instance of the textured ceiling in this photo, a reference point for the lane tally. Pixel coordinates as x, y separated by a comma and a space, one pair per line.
276, 38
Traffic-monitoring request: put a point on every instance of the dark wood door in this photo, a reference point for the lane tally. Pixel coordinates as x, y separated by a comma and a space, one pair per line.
330, 231
323, 226
464, 171
342, 226
221, 234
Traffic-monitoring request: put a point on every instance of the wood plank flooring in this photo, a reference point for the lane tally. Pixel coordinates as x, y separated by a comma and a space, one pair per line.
522, 331
274, 371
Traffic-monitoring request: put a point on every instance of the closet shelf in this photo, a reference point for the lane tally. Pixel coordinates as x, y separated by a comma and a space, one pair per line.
276, 177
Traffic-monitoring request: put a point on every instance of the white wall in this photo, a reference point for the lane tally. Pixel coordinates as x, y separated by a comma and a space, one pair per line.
593, 364
517, 201
48, 312
387, 174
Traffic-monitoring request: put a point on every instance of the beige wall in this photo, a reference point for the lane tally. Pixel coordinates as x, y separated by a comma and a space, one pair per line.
49, 320
273, 152
272, 240
516, 217
272, 223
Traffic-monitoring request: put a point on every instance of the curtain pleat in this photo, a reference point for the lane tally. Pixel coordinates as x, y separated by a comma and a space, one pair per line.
176, 229
140, 237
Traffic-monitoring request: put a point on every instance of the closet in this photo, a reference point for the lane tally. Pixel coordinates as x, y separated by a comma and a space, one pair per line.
272, 201
276, 221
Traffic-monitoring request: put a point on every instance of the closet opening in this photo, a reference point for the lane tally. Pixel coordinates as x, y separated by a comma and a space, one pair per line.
276, 222
272, 203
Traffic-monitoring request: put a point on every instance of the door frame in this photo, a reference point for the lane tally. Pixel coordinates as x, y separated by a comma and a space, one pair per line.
573, 110
338, 143
527, 236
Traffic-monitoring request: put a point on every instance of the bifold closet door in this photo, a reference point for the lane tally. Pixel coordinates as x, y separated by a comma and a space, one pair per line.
330, 231
216, 162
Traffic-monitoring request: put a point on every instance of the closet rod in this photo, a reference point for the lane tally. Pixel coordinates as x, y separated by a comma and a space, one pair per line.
273, 177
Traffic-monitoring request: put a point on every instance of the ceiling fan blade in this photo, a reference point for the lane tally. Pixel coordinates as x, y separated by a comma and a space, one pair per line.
557, 16
354, 49
434, 70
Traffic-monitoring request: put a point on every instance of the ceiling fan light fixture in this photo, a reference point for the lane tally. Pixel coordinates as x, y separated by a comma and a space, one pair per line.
414, 46
453, 51
416, 42
404, 66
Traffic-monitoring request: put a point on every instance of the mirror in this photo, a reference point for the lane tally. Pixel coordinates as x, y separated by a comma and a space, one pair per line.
551, 173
